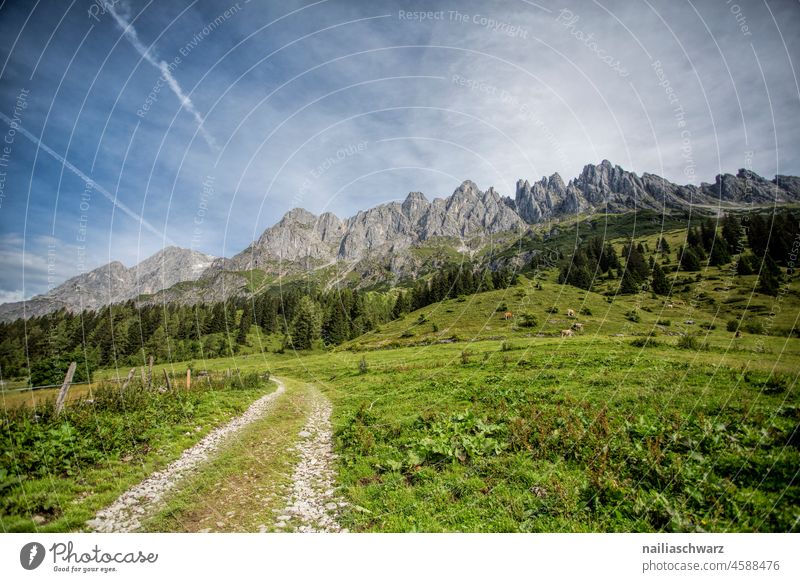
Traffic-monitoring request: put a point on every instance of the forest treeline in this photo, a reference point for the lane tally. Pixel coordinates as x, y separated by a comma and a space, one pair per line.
304, 317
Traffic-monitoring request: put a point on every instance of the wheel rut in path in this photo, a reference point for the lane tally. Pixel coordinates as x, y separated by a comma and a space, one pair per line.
313, 505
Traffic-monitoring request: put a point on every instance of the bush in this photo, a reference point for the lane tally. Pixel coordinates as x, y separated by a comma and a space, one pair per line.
645, 342
585, 311
688, 342
551, 310
754, 326
528, 320
407, 333
732, 325
664, 322
633, 316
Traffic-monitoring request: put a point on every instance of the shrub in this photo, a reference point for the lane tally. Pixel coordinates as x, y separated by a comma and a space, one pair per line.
528, 320
407, 333
645, 342
633, 316
664, 322
435, 327
585, 311
754, 326
732, 325
551, 310
688, 342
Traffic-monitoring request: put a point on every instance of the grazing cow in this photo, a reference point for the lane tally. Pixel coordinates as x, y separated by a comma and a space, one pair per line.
689, 322
570, 313
567, 333
738, 334
508, 315
670, 305
577, 326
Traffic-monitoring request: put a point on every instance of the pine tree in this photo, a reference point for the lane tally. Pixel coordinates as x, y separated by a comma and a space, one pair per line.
244, 325
487, 283
629, 284
731, 230
708, 233
720, 255
402, 305
689, 260
336, 329
660, 284
306, 326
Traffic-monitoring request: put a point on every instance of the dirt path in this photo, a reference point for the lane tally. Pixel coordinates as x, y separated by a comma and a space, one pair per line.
313, 505
127, 513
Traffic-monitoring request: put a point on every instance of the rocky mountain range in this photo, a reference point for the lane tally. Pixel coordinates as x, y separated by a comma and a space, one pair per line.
113, 283
380, 242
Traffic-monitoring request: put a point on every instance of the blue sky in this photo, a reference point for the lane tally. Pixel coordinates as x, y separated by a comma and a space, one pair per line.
342, 105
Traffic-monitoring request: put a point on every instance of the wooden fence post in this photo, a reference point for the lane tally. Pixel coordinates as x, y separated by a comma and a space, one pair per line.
150, 373
128, 379
188, 378
166, 377
62, 394
144, 379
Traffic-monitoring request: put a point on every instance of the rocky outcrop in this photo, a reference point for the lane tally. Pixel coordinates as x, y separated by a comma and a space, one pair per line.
608, 188
386, 229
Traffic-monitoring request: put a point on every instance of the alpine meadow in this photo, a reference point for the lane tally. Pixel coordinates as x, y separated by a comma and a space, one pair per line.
362, 267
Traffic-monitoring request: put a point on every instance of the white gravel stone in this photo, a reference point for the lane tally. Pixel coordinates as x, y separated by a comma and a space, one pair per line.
129, 510
312, 504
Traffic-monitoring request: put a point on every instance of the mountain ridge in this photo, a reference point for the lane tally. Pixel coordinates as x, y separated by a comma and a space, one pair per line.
378, 242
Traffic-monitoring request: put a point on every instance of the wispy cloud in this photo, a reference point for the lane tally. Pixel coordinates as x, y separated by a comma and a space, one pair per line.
149, 55
75, 170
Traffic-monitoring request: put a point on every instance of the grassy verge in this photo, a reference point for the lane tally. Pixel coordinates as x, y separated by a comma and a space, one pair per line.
244, 485
57, 472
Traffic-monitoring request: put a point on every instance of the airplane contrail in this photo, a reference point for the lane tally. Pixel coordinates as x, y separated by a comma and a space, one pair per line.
133, 38
95, 186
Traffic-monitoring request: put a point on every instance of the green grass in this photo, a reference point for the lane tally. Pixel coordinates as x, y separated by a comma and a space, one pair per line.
56, 500
465, 421
238, 489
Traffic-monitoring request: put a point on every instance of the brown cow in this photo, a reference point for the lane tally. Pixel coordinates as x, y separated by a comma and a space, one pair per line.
577, 326
508, 315
567, 333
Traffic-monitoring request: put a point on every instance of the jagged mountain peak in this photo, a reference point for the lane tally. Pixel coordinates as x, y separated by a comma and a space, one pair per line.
299, 215
381, 237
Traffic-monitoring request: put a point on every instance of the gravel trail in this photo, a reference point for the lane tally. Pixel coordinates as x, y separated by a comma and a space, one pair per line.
132, 507
313, 505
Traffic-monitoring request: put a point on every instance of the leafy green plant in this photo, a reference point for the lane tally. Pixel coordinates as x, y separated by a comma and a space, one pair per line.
459, 438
